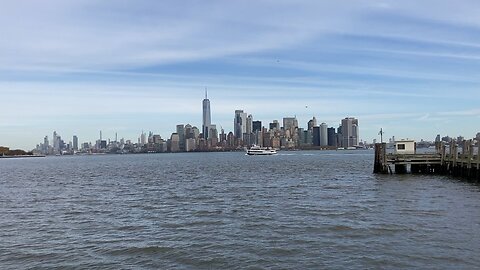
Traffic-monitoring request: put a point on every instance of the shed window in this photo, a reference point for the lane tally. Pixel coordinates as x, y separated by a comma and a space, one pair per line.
401, 146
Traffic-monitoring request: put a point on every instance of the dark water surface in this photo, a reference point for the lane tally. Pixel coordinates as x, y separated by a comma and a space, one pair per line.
296, 210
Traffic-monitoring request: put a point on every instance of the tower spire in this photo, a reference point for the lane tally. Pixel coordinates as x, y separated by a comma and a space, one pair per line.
206, 93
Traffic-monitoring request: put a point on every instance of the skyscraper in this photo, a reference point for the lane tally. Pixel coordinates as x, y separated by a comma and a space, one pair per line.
45, 145
316, 136
312, 123
323, 134
257, 126
174, 142
240, 124
331, 136
290, 124
249, 124
143, 138
275, 125
350, 132
56, 142
207, 121
181, 137
75, 142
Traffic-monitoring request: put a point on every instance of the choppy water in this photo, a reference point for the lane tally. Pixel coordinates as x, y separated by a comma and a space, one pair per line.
296, 210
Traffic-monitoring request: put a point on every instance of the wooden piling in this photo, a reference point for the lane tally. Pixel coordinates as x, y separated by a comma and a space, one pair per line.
454, 158
380, 165
478, 161
470, 173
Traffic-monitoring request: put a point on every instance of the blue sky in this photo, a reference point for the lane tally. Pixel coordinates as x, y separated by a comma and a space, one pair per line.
80, 66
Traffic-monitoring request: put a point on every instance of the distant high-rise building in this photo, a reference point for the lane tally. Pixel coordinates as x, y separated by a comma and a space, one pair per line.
223, 137
339, 137
57, 143
190, 144
230, 140
207, 121
249, 127
290, 123
312, 123
301, 136
350, 132
323, 134
257, 126
240, 124
54, 141
275, 125
181, 136
75, 142
157, 139
316, 136
212, 132
196, 132
143, 138
45, 145
174, 142
448, 139
86, 146
308, 137
331, 137
189, 132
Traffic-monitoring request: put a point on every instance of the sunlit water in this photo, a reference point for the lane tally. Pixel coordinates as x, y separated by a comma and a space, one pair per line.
295, 210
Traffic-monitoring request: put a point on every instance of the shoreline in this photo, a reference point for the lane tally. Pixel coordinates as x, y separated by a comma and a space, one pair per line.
25, 156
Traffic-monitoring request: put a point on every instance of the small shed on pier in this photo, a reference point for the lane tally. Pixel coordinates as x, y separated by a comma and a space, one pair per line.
405, 147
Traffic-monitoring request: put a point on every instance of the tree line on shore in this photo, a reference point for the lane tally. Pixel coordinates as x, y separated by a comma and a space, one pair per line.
5, 151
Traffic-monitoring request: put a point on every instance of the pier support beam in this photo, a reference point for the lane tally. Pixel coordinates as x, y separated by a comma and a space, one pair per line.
400, 168
415, 168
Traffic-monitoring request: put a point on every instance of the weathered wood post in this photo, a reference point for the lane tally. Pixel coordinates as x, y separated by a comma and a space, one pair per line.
470, 158
478, 160
442, 166
454, 157
450, 158
376, 162
380, 165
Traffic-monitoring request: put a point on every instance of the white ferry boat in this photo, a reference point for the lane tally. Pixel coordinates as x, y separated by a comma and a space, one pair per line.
260, 151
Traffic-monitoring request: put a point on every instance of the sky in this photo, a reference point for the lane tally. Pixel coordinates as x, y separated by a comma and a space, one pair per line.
77, 67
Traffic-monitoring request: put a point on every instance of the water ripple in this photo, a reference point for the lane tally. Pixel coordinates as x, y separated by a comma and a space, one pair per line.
297, 210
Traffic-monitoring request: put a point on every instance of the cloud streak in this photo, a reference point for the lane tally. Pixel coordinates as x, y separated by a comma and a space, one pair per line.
148, 62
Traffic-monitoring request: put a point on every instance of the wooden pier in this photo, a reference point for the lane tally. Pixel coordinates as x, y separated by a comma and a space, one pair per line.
454, 159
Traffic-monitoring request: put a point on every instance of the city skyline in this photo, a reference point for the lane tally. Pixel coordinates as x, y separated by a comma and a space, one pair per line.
247, 131
79, 67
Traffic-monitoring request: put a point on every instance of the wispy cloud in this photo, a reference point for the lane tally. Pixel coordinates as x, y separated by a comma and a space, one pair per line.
133, 63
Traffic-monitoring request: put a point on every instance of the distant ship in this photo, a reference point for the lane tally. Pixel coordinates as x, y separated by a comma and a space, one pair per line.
260, 151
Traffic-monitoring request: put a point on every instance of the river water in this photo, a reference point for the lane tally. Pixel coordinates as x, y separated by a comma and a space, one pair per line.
295, 210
